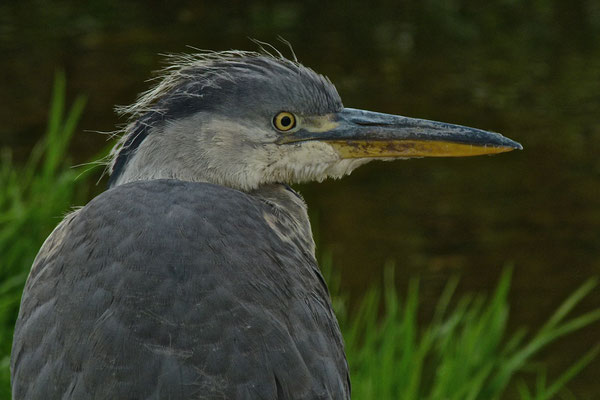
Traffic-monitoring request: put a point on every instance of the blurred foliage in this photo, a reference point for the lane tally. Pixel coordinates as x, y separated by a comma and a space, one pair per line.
465, 352
33, 199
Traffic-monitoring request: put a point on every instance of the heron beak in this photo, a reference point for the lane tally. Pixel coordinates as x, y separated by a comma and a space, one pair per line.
365, 134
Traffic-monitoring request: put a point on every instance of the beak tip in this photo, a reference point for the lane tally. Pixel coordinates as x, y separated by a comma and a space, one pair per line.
516, 145
506, 142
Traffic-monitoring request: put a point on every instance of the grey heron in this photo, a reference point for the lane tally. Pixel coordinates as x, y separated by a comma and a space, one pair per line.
194, 275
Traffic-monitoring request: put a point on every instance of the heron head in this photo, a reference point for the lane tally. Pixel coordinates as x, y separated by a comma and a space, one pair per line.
244, 119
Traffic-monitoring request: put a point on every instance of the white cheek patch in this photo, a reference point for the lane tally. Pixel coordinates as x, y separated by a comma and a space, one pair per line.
310, 161
301, 162
346, 166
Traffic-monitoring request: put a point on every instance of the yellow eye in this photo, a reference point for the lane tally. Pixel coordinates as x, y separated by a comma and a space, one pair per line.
284, 121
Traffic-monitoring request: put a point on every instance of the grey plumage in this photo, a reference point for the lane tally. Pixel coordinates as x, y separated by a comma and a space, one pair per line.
194, 275
124, 310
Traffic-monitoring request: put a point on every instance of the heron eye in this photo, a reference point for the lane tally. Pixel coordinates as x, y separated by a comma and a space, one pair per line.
284, 121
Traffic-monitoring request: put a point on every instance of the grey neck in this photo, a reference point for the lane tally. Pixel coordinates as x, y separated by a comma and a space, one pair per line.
289, 216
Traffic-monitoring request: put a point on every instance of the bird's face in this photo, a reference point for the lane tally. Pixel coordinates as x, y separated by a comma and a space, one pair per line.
262, 120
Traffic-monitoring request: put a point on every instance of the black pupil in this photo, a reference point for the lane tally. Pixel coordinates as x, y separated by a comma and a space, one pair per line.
286, 121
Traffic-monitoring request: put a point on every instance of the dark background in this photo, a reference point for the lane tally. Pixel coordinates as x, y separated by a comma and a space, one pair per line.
530, 70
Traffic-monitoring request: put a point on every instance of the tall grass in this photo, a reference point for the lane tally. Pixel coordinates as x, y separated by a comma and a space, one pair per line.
464, 352
33, 199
